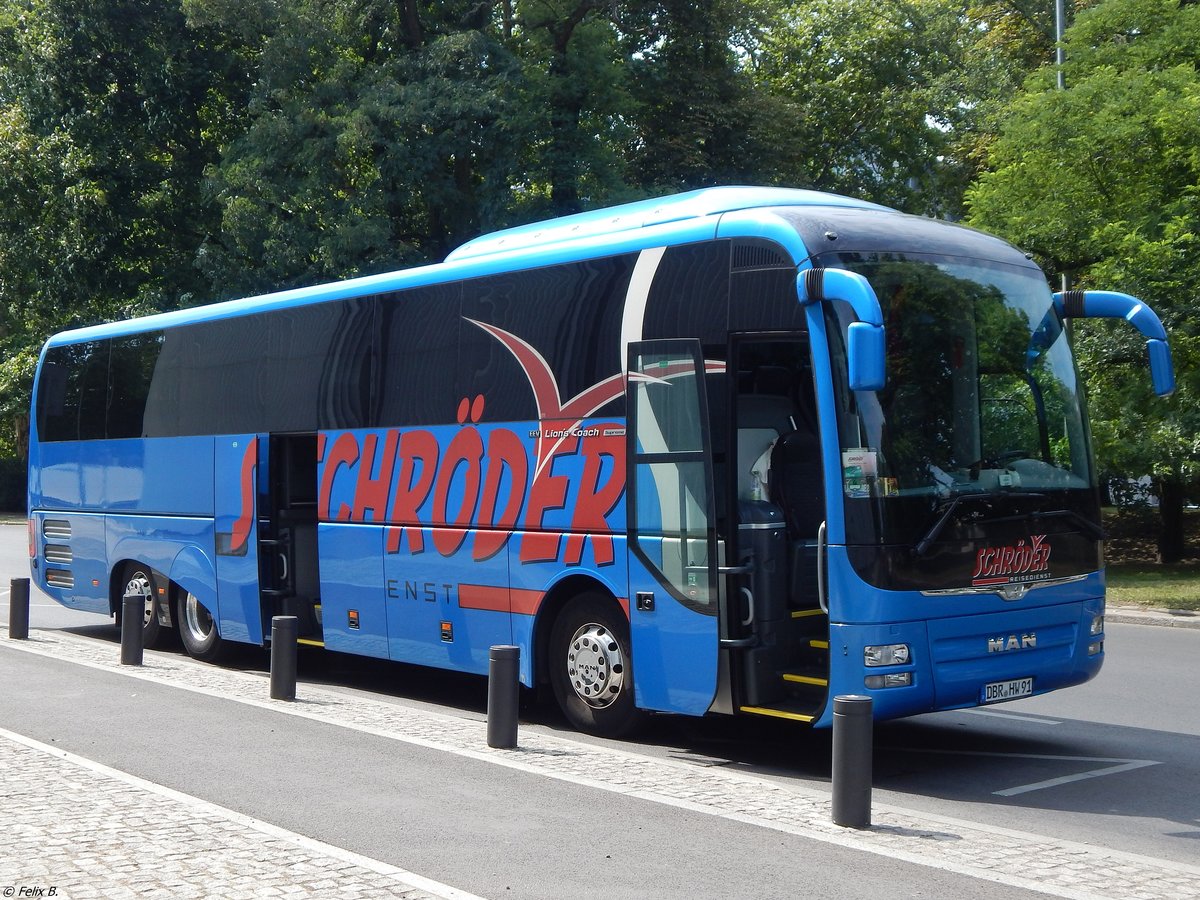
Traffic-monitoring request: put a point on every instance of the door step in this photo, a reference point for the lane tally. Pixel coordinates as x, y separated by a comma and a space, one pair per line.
802, 678
794, 716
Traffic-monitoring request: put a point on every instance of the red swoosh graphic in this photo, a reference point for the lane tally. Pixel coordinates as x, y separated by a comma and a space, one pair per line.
245, 521
545, 390
585, 403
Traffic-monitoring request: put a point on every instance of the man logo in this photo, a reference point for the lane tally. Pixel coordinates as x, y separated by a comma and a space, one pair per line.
1012, 642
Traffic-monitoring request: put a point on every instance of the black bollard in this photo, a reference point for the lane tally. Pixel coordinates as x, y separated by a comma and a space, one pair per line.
504, 681
133, 611
853, 727
18, 609
284, 631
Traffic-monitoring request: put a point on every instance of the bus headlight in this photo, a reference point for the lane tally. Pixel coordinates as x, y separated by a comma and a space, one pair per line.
886, 655
1097, 625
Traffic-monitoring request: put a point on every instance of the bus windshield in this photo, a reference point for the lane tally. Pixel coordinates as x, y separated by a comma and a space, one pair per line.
982, 405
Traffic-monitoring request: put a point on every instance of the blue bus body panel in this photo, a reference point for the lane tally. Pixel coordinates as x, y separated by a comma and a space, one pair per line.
352, 589
674, 648
157, 475
433, 619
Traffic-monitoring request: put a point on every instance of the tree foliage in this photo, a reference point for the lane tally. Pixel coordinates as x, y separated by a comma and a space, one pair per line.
1102, 181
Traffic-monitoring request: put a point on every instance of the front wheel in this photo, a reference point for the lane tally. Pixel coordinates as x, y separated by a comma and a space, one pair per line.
591, 667
198, 631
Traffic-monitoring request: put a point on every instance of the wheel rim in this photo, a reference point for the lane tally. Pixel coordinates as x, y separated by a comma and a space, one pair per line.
196, 619
595, 666
139, 583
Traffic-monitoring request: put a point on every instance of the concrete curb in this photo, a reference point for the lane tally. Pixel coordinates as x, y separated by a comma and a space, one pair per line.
1140, 615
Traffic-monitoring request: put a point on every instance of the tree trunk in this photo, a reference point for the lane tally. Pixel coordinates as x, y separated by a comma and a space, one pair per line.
1171, 544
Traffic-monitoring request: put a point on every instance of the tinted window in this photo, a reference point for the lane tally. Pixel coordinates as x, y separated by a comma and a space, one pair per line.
418, 355
132, 361
689, 297
569, 315
73, 392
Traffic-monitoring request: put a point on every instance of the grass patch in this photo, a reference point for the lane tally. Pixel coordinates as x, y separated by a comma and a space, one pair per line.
1149, 584
1135, 578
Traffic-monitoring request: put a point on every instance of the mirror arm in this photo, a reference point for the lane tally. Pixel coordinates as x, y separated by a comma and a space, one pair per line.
866, 348
1115, 305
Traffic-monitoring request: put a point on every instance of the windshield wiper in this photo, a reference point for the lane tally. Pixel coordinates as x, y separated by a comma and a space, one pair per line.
1085, 524
922, 546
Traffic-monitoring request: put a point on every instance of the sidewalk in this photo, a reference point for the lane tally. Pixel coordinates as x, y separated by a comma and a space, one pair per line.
1039, 864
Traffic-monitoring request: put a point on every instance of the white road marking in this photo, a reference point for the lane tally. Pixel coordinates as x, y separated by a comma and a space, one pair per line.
1018, 717
1122, 765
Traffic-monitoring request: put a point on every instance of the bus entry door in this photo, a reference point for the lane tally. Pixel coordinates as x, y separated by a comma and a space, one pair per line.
239, 469
673, 556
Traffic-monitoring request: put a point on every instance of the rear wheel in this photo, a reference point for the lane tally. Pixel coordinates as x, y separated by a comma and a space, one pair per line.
197, 629
139, 580
591, 666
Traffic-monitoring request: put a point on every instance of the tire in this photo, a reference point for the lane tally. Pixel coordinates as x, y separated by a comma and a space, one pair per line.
591, 667
139, 579
198, 629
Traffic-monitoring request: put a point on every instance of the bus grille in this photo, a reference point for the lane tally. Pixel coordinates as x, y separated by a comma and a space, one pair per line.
60, 578
57, 529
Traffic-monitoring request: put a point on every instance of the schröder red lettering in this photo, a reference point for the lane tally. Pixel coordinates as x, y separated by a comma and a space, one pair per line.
463, 458
505, 453
548, 492
419, 454
477, 488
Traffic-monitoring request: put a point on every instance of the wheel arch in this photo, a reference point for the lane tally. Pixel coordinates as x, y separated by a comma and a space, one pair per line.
192, 572
552, 605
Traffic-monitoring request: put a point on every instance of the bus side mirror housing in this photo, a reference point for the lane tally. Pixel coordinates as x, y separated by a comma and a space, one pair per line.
866, 354
866, 349
1114, 305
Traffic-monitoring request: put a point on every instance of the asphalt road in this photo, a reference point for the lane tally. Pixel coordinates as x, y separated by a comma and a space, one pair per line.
1113, 763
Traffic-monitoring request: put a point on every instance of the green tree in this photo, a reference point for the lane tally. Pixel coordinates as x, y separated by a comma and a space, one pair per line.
1102, 181
697, 117
377, 135
871, 98
102, 155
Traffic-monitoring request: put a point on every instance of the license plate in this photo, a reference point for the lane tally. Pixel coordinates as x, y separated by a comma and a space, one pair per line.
1007, 690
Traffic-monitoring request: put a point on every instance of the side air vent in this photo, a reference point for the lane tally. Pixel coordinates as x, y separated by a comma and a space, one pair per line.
56, 529
758, 256
59, 554
60, 578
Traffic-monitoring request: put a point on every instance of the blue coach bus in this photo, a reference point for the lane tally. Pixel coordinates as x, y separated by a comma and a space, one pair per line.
738, 450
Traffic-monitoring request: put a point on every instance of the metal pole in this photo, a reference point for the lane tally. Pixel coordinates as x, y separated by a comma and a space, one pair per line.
284, 631
133, 611
504, 678
852, 750
18, 609
1060, 16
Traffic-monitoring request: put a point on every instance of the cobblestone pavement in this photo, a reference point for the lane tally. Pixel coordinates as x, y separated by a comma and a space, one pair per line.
1036, 862
76, 829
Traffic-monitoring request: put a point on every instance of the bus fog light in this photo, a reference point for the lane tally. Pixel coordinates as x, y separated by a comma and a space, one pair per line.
886, 655
1095, 647
891, 680
1097, 625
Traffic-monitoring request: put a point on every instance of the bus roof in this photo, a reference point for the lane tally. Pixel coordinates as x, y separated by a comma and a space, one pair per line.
644, 213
